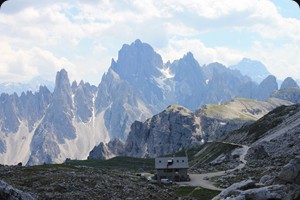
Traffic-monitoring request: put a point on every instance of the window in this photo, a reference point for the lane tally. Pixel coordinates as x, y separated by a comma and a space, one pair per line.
182, 160
178, 161
159, 161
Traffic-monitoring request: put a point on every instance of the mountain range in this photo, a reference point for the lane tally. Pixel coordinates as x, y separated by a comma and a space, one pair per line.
48, 127
32, 85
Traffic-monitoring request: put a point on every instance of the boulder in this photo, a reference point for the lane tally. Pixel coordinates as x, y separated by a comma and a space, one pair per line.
11, 193
235, 189
266, 180
257, 152
291, 172
247, 190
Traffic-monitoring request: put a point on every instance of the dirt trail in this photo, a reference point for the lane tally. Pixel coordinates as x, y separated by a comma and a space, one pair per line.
202, 179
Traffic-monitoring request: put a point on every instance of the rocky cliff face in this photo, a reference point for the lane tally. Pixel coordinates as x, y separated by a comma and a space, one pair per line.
174, 129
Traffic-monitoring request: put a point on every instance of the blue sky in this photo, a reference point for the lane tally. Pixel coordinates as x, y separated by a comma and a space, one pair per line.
38, 38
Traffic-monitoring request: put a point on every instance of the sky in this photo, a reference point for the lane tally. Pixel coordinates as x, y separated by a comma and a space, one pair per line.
38, 38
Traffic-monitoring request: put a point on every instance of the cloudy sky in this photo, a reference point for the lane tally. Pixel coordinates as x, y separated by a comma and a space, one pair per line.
38, 38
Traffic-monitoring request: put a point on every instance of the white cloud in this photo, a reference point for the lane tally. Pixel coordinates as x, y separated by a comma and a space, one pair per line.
19, 65
41, 36
282, 61
204, 55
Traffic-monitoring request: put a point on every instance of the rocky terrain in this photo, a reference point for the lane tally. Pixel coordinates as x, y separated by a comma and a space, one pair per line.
178, 128
282, 185
272, 169
71, 182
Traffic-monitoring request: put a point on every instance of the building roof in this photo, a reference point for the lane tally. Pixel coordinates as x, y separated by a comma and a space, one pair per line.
171, 163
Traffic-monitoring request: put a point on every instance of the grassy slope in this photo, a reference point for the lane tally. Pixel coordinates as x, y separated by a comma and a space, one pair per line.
255, 131
121, 162
208, 152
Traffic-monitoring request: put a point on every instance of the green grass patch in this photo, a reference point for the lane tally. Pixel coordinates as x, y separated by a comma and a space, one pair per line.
50, 167
211, 151
258, 129
120, 162
196, 192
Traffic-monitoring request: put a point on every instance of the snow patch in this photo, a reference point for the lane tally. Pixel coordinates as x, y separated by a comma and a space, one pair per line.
167, 73
17, 146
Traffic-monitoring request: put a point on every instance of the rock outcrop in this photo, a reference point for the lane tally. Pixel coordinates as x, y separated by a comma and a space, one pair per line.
105, 151
286, 185
11, 193
172, 130
290, 173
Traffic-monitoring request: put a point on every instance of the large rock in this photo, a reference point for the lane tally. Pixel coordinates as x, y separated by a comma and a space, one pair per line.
291, 172
104, 151
248, 190
257, 152
11, 193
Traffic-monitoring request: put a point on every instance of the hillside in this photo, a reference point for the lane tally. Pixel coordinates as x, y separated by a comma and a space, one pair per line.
271, 160
178, 128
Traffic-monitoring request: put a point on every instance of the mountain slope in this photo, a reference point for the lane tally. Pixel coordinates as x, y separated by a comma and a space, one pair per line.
178, 128
272, 158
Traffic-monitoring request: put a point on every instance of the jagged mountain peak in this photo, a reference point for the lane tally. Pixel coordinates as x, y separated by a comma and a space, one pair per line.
289, 82
189, 55
62, 82
137, 60
61, 77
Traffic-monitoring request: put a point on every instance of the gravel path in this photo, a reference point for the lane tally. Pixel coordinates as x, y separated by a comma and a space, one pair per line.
202, 180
